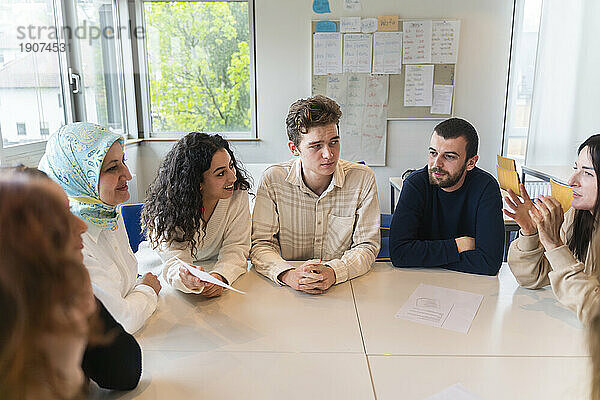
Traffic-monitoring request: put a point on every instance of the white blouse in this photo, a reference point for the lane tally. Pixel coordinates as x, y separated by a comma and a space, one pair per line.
227, 239
113, 271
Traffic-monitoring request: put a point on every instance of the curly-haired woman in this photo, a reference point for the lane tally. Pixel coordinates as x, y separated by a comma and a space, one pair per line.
197, 210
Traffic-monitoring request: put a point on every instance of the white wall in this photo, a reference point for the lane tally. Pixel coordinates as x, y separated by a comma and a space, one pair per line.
283, 51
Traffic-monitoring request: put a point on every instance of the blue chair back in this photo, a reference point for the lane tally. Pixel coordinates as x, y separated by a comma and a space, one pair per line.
385, 221
384, 224
384, 251
131, 218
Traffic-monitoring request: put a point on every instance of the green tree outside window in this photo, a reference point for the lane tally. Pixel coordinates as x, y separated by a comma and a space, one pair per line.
199, 66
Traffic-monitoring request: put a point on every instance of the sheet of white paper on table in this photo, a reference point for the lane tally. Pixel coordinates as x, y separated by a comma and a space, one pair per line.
206, 277
442, 99
454, 392
349, 24
441, 307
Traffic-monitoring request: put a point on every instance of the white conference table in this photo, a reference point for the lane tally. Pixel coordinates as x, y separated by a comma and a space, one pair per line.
275, 343
490, 378
511, 321
268, 318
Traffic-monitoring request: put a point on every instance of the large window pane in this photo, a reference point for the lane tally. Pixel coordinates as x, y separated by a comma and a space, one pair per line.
30, 81
199, 66
522, 71
101, 63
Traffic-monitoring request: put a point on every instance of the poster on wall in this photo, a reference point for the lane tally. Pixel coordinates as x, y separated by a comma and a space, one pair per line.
413, 53
416, 42
444, 42
387, 52
357, 52
363, 100
327, 53
418, 85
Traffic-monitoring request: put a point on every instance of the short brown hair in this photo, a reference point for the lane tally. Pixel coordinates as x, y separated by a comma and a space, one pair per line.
457, 127
306, 113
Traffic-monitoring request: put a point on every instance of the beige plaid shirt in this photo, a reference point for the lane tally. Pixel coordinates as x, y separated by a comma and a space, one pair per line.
290, 222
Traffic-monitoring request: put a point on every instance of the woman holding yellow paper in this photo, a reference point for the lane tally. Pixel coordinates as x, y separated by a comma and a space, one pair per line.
562, 249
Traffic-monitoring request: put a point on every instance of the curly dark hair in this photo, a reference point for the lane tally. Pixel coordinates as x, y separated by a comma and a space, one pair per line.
173, 206
306, 113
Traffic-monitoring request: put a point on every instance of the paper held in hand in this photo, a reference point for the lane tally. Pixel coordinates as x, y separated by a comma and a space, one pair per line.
206, 277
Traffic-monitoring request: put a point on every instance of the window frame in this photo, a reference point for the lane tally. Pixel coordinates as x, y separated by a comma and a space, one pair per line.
512, 84
132, 53
123, 56
73, 105
30, 153
125, 47
44, 129
21, 132
144, 111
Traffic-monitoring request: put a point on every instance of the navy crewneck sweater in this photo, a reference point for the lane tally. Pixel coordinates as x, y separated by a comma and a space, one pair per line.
427, 220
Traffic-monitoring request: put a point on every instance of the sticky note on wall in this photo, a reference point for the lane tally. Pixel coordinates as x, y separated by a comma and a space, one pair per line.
349, 24
352, 5
387, 23
368, 25
326, 26
321, 6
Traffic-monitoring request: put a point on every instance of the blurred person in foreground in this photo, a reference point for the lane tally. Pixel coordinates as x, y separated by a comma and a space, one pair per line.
46, 299
113, 360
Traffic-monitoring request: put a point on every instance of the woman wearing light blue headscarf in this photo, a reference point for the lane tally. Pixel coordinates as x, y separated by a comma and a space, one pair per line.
87, 160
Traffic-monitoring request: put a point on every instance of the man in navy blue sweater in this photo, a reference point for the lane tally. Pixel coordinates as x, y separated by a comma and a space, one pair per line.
449, 213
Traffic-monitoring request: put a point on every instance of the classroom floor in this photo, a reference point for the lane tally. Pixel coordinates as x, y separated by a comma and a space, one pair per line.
275, 343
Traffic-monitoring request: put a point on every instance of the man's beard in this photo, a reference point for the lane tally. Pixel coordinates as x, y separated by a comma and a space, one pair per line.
447, 180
